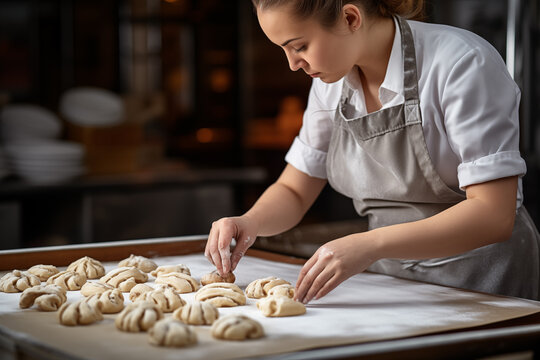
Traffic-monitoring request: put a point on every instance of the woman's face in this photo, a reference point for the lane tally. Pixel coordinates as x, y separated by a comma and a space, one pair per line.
324, 53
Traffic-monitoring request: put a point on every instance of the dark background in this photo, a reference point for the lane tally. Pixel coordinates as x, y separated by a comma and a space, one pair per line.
227, 106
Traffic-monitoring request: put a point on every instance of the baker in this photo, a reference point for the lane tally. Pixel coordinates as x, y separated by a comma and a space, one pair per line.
418, 124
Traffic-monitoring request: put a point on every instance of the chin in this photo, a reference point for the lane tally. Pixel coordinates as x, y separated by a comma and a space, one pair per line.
329, 79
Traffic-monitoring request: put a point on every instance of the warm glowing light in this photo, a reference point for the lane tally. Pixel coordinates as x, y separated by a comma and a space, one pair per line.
205, 135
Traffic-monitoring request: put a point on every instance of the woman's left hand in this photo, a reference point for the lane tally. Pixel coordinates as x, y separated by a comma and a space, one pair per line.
333, 263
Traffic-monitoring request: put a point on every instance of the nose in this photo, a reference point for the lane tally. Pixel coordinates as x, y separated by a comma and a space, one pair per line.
295, 62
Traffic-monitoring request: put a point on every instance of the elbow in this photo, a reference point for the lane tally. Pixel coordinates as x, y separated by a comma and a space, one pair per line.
503, 228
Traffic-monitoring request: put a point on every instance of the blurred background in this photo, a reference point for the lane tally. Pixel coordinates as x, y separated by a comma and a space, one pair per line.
129, 119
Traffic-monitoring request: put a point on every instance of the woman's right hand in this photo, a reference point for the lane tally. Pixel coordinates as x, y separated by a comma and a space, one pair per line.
218, 251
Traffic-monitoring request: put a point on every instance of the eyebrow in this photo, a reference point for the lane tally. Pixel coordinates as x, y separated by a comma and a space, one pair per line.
288, 41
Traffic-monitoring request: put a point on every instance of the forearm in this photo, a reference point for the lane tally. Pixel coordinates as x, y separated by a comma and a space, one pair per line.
284, 203
472, 223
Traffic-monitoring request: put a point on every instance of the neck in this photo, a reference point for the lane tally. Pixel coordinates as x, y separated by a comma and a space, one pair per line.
378, 47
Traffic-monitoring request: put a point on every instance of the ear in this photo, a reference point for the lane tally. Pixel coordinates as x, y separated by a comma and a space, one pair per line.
352, 16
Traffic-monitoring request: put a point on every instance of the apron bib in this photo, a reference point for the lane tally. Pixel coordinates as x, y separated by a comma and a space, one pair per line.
381, 161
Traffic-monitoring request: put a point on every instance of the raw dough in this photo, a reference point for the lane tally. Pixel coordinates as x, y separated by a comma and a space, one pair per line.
110, 301
138, 316
95, 288
282, 290
221, 295
197, 313
214, 277
69, 280
165, 269
181, 282
236, 327
259, 288
138, 290
17, 281
140, 262
277, 306
43, 272
170, 332
166, 298
79, 313
46, 297
91, 268
124, 278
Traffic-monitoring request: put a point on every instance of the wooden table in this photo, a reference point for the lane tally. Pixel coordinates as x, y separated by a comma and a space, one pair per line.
522, 334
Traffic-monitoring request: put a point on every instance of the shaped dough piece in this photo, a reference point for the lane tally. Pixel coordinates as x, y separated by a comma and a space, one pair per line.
140, 262
214, 277
181, 282
166, 298
69, 280
259, 288
277, 306
282, 290
89, 267
138, 290
95, 288
172, 333
221, 295
111, 301
79, 313
236, 327
165, 269
43, 272
124, 278
46, 297
197, 313
17, 281
138, 316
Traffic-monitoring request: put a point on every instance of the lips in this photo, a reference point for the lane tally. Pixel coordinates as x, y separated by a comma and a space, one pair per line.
313, 75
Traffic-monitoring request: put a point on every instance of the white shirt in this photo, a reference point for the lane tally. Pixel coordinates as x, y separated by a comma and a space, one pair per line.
468, 101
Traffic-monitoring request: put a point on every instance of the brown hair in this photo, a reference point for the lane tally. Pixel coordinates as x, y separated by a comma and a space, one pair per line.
327, 11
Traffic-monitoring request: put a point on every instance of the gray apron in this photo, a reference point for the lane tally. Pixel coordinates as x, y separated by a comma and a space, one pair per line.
381, 161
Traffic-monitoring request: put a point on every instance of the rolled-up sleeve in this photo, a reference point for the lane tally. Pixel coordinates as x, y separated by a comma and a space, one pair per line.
481, 105
309, 149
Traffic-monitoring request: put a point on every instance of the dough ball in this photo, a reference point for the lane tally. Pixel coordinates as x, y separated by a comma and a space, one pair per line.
17, 281
138, 316
197, 313
46, 297
94, 288
140, 262
181, 282
259, 288
165, 269
282, 290
43, 272
172, 333
277, 306
214, 277
110, 301
69, 280
124, 278
138, 290
221, 295
236, 327
166, 298
79, 313
91, 268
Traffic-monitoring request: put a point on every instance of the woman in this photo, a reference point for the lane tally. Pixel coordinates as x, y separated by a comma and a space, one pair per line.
418, 124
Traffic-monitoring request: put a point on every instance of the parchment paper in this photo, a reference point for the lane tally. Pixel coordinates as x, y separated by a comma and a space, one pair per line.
366, 307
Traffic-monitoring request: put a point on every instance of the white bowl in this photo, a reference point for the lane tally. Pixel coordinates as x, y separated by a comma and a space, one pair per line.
92, 107
26, 121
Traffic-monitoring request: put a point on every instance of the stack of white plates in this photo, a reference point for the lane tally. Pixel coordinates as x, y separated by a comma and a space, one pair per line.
88, 106
26, 122
4, 167
46, 161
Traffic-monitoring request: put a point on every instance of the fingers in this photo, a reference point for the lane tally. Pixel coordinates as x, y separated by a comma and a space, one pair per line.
330, 285
240, 250
217, 249
308, 274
